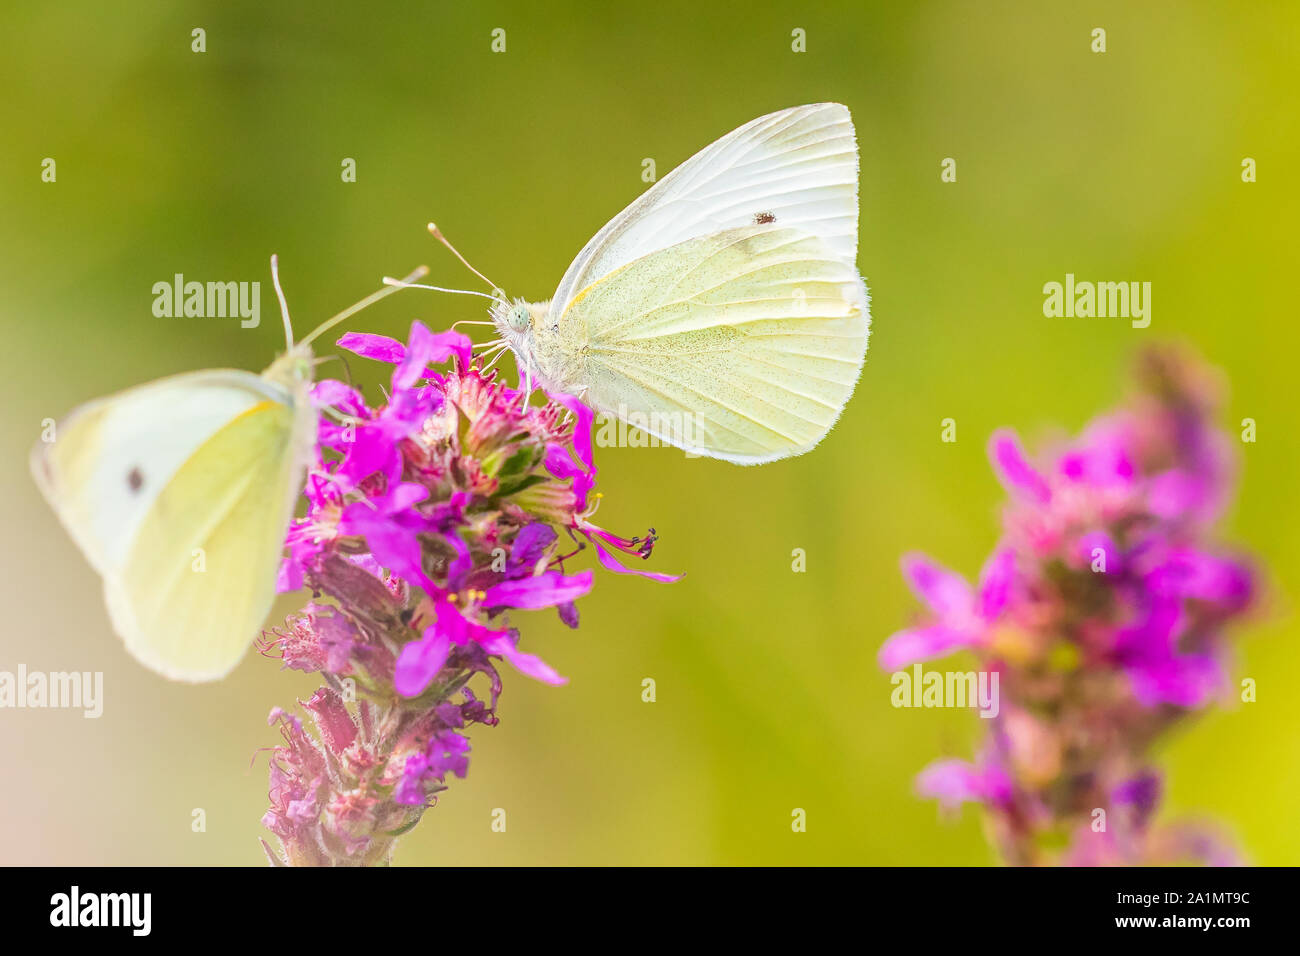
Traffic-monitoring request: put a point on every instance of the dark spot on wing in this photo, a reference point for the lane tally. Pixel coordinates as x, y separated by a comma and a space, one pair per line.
135, 479
763, 218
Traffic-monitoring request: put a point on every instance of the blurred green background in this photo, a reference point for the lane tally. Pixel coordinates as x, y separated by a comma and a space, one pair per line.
1123, 165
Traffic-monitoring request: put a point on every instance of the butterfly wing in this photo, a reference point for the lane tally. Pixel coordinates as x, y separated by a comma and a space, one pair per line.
797, 167
743, 345
179, 493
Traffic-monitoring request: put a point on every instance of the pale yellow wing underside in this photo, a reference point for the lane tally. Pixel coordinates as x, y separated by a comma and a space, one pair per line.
743, 345
179, 493
201, 577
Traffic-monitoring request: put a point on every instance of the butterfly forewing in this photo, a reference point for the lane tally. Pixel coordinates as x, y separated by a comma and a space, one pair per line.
108, 458
202, 573
797, 167
179, 492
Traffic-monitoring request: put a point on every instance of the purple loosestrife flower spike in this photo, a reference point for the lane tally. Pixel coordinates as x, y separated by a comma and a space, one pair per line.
431, 521
1104, 611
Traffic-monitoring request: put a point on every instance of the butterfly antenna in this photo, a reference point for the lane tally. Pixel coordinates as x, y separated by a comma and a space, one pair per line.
437, 234
284, 306
406, 284
389, 289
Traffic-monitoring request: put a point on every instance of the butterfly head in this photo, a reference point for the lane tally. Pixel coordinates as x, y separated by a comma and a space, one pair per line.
293, 368
517, 321
518, 317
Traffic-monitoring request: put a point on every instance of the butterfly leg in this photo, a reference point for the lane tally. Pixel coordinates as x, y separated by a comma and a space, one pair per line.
528, 387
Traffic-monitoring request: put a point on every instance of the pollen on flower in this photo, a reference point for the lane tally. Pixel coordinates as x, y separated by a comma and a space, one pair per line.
431, 521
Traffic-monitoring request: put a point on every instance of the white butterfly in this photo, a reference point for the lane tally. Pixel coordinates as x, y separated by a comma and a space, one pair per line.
179, 493
722, 311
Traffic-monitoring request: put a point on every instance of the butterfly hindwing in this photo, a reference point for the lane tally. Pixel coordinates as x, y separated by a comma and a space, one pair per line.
743, 345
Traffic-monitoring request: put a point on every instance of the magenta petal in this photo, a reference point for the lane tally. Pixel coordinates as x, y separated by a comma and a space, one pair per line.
1141, 792
501, 645
581, 428
610, 562
559, 462
1194, 574
427, 348
953, 782
330, 435
378, 347
459, 568
1177, 494
1103, 457
391, 527
372, 449
530, 546
333, 394
289, 577
921, 644
1154, 634
420, 661
1014, 469
946, 592
995, 583
1094, 541
569, 614
301, 550
405, 495
1186, 680
543, 590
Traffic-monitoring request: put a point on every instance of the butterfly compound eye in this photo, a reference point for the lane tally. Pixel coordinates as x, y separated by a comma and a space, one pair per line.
519, 318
